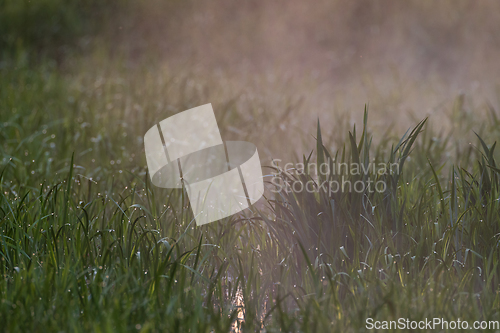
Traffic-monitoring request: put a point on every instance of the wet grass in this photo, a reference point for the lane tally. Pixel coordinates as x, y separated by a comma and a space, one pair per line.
88, 244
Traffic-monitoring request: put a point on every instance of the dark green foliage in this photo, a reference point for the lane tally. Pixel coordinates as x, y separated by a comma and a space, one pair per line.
48, 27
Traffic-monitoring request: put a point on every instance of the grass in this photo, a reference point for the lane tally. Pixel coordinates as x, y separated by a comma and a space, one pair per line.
88, 244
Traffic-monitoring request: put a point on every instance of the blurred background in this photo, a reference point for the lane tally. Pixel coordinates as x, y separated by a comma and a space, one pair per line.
280, 65
346, 47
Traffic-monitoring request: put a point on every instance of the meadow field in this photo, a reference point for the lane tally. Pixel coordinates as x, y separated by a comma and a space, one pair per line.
88, 244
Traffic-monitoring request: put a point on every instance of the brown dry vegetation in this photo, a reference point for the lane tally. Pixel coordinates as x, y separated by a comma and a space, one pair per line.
406, 59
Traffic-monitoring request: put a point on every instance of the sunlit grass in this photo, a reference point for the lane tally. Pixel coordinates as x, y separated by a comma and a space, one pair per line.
88, 244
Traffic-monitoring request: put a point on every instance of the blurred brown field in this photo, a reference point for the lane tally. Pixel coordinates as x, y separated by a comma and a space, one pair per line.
302, 61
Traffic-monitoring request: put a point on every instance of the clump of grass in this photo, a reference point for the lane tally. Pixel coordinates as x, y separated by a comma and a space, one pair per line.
423, 248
